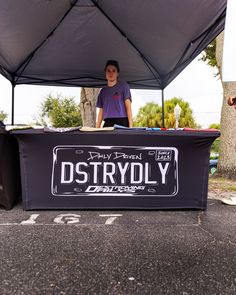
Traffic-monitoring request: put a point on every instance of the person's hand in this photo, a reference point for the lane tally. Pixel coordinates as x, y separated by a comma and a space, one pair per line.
231, 100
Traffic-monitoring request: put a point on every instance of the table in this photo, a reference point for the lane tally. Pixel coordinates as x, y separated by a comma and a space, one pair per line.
10, 184
136, 169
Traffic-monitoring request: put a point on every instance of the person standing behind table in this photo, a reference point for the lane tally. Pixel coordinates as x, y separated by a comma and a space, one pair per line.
114, 100
232, 199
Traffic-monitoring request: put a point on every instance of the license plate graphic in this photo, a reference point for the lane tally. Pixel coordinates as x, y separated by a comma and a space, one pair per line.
80, 170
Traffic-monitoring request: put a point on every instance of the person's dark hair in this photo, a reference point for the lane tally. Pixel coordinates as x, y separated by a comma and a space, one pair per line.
114, 63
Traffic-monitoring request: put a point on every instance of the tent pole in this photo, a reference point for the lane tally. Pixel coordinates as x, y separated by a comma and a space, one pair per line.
12, 103
162, 104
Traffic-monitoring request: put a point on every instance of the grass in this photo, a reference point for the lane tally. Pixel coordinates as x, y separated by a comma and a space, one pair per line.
221, 185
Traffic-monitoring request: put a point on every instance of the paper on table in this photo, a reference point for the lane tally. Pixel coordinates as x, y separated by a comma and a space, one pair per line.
85, 128
18, 127
62, 129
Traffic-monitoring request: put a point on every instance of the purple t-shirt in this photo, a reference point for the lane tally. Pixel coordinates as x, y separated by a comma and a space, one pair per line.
112, 100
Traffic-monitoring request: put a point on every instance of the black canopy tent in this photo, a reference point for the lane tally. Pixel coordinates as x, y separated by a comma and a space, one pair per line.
67, 42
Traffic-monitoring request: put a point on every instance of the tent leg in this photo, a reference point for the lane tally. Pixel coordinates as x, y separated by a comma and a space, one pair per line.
162, 104
12, 103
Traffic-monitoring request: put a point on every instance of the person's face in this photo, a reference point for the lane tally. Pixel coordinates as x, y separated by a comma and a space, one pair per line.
111, 73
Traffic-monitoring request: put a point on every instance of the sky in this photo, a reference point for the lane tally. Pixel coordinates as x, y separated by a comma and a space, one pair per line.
196, 84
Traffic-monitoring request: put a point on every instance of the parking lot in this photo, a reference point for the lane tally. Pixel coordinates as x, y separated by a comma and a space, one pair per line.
119, 252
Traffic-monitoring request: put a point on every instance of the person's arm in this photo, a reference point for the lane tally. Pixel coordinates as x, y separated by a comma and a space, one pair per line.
129, 111
99, 118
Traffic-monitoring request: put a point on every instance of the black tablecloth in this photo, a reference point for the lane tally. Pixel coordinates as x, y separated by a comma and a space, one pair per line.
118, 169
10, 185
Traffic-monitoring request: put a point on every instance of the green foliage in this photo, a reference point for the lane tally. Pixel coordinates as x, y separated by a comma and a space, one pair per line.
215, 126
186, 115
61, 112
209, 54
216, 144
215, 148
150, 115
3, 116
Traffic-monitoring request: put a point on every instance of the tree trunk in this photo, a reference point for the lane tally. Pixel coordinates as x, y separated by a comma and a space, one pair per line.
88, 98
227, 160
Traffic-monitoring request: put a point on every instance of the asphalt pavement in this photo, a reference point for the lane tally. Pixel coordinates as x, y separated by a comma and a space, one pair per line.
119, 252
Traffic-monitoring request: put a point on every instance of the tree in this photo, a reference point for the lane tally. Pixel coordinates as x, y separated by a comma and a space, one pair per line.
88, 98
151, 114
227, 159
3, 116
61, 112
